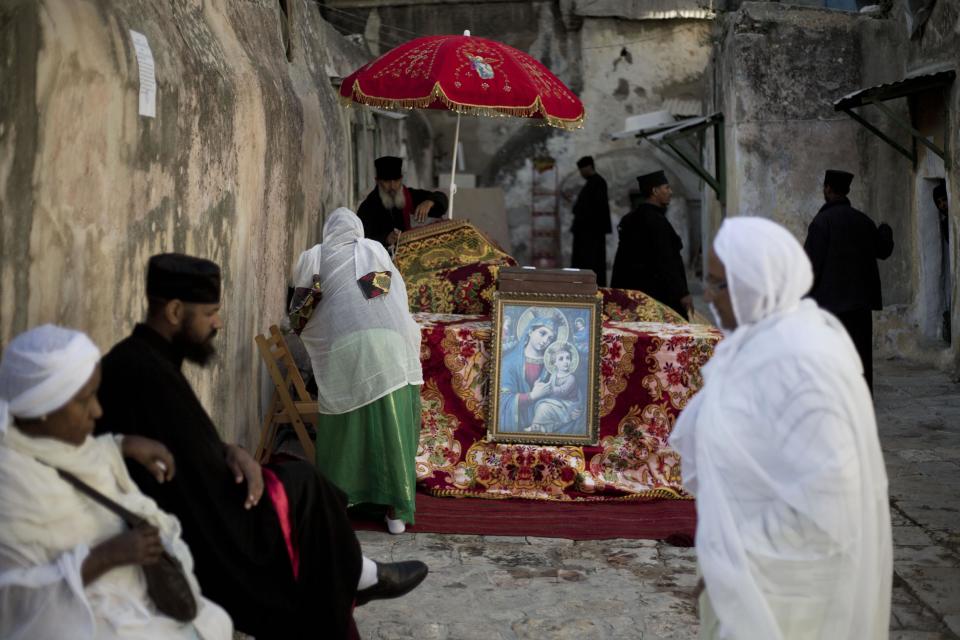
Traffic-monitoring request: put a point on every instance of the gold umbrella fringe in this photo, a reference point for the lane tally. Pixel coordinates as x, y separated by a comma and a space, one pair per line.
490, 111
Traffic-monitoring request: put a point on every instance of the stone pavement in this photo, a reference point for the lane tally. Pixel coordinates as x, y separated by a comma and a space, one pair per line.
918, 411
494, 588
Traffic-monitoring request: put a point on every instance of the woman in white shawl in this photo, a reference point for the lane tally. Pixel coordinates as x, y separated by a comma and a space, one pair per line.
365, 350
780, 448
69, 567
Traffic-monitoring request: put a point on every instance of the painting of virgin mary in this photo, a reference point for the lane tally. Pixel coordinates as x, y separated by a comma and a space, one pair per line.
546, 388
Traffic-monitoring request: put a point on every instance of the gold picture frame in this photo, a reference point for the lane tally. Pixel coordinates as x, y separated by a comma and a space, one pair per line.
560, 334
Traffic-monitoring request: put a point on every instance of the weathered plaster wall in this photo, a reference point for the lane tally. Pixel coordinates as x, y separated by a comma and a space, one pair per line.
775, 74
248, 149
780, 68
662, 59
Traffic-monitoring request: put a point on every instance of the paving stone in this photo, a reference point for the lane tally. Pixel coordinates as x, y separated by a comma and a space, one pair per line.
929, 556
931, 516
539, 628
549, 542
914, 616
910, 535
953, 623
466, 631
937, 587
504, 539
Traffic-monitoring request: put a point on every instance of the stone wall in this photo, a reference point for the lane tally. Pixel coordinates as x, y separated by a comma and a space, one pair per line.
248, 149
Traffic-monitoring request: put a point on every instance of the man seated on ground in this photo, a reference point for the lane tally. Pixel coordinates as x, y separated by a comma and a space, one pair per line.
286, 567
393, 207
780, 447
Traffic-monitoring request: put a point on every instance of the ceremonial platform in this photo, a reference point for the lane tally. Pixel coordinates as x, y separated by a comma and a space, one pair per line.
649, 361
648, 371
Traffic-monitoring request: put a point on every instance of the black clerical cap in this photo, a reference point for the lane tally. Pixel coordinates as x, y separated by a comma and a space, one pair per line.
175, 276
940, 191
838, 181
651, 180
585, 161
389, 168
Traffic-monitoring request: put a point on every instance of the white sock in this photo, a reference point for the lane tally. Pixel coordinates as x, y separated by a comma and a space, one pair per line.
368, 574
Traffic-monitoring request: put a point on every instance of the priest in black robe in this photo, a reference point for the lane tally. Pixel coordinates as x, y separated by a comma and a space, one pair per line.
284, 565
591, 223
393, 207
843, 245
648, 254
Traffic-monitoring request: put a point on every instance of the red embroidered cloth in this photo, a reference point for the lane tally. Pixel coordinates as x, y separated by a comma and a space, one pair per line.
648, 373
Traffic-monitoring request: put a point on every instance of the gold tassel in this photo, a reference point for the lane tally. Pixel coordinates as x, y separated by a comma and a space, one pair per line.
490, 111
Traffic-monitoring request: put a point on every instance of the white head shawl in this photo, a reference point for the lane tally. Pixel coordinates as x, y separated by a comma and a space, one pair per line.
361, 349
767, 269
41, 371
781, 449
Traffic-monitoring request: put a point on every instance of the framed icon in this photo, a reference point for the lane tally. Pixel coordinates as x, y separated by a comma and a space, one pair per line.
545, 373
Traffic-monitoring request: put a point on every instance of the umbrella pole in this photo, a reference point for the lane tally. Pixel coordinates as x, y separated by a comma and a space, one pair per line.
453, 169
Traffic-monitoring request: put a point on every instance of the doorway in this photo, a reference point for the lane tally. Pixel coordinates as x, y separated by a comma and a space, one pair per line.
935, 262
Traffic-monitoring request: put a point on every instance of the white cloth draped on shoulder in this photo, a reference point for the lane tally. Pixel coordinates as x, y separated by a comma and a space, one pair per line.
49, 528
361, 349
780, 448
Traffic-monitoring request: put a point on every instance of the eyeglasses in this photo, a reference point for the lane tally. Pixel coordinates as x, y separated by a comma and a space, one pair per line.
715, 286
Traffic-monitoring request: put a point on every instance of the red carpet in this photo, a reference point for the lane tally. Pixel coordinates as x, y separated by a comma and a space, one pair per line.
671, 520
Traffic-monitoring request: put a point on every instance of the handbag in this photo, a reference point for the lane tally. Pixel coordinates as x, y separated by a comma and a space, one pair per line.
305, 300
167, 584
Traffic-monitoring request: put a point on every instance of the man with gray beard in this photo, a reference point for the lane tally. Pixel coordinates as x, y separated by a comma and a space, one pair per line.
393, 207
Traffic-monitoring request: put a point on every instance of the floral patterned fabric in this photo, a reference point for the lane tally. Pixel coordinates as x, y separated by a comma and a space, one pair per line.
648, 373
627, 305
450, 267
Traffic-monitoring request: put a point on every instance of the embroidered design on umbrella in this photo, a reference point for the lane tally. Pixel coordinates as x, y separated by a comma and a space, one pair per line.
483, 69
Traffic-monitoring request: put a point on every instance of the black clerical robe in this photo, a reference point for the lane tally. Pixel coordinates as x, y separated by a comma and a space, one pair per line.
378, 221
241, 556
648, 257
591, 224
843, 245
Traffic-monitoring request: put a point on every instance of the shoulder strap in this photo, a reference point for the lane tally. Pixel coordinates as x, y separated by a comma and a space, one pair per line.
132, 519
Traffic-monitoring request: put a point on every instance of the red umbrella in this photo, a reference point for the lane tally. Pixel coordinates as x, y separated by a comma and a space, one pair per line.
467, 75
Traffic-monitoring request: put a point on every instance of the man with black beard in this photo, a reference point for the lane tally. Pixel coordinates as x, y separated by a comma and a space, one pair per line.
289, 566
392, 208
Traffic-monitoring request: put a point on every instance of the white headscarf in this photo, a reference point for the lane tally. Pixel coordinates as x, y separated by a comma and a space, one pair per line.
41, 370
781, 449
361, 349
767, 269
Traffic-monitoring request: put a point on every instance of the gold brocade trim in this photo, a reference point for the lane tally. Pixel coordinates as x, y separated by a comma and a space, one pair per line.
358, 95
643, 496
444, 226
617, 383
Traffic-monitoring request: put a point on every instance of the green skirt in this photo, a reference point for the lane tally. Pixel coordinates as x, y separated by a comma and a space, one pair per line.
370, 452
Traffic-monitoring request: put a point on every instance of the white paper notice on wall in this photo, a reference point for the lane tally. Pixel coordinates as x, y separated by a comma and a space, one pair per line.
148, 78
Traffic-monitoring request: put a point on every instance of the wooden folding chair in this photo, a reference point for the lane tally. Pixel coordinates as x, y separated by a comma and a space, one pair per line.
283, 408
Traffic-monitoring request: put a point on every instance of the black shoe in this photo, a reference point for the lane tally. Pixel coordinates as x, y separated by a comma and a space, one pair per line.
394, 579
